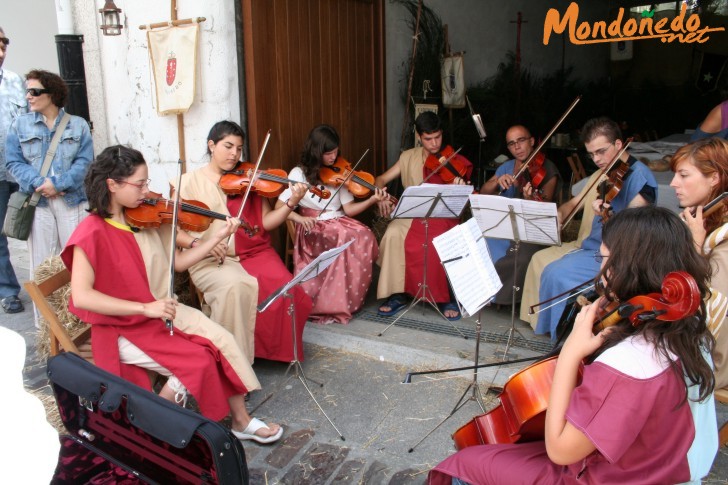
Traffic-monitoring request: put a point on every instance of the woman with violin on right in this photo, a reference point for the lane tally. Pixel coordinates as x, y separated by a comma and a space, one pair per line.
701, 176
323, 224
643, 410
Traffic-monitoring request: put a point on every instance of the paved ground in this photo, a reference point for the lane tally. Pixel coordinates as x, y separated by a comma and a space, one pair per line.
379, 418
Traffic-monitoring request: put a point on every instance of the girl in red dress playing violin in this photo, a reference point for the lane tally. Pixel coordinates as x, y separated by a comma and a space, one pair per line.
340, 291
110, 289
644, 410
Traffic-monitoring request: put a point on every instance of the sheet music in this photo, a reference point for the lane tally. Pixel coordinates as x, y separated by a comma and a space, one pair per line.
536, 222
312, 269
416, 201
464, 254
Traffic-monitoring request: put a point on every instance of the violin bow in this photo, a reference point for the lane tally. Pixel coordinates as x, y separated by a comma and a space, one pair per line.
351, 173
173, 241
548, 136
604, 172
252, 180
442, 165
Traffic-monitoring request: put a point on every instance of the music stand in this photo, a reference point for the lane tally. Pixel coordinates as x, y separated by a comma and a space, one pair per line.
312, 270
520, 221
478, 122
427, 201
475, 282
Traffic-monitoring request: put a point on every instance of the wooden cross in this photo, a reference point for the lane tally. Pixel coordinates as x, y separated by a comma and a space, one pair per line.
519, 20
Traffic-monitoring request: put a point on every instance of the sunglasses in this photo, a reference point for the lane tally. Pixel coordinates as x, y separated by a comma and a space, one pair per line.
35, 92
5, 40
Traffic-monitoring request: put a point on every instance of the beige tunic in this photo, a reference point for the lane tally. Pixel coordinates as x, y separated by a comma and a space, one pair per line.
154, 245
391, 249
231, 293
543, 258
719, 282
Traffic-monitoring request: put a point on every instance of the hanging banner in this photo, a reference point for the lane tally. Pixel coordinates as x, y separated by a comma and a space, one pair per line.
173, 55
453, 81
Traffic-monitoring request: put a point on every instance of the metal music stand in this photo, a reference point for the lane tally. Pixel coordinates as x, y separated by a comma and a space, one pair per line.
478, 122
312, 270
424, 202
458, 251
520, 221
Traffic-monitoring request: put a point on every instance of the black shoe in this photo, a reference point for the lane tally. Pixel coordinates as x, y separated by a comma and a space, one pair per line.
12, 304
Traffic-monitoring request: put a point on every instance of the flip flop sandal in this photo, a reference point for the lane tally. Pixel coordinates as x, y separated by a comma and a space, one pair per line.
254, 425
395, 304
12, 304
450, 306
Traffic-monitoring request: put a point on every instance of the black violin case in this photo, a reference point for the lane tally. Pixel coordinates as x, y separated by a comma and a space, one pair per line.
123, 434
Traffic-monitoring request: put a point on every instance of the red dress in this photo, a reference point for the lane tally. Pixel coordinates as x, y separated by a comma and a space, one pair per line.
414, 248
273, 336
120, 272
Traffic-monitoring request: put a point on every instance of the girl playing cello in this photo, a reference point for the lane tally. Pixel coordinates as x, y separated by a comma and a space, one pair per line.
339, 292
110, 289
644, 411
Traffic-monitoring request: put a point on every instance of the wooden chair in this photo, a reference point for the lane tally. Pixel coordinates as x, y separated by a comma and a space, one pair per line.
721, 395
577, 170
60, 338
290, 241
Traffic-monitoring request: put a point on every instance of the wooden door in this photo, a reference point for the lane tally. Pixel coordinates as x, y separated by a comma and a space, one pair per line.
315, 61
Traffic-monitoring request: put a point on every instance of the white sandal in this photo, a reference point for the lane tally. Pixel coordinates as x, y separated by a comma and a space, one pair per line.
254, 425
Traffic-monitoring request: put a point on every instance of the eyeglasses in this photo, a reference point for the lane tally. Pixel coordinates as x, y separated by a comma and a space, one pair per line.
598, 153
35, 92
598, 257
140, 186
518, 141
5, 40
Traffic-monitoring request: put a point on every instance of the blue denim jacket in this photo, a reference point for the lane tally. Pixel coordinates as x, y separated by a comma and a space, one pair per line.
12, 105
28, 141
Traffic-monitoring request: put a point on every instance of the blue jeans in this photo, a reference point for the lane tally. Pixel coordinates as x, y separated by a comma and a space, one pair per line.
9, 285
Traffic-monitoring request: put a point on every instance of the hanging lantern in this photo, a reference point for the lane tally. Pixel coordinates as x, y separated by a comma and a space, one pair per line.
110, 23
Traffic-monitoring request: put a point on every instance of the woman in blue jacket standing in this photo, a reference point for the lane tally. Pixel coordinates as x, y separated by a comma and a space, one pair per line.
63, 202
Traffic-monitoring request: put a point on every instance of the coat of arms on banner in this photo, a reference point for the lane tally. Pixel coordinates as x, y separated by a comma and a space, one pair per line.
173, 55
453, 82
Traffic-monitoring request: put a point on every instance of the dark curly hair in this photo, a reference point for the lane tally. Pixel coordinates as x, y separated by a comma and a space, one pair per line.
322, 139
116, 162
56, 86
628, 272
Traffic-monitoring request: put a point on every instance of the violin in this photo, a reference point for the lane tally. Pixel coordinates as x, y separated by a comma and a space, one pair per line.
268, 183
447, 164
360, 184
520, 415
602, 176
534, 162
609, 188
193, 215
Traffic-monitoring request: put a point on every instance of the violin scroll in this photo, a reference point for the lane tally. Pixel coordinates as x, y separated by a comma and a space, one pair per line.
680, 298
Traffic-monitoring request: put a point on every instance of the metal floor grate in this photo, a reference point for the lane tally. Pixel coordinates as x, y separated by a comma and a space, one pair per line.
447, 329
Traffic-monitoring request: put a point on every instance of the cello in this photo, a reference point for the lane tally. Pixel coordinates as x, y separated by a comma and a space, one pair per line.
520, 414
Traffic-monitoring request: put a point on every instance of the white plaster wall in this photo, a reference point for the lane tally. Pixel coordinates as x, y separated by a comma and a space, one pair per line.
31, 27
121, 87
